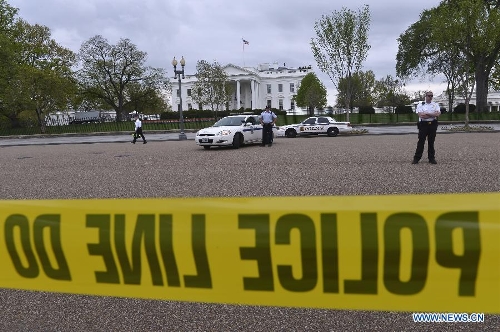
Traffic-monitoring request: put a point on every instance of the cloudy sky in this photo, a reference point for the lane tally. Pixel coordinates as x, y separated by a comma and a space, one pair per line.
277, 30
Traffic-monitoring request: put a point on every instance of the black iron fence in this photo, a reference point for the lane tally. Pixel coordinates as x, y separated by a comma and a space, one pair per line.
392, 118
56, 127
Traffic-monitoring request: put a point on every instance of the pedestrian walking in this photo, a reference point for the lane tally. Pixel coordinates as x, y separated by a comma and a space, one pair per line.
267, 119
138, 130
428, 113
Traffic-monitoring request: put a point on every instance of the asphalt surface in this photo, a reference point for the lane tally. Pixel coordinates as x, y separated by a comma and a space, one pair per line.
105, 167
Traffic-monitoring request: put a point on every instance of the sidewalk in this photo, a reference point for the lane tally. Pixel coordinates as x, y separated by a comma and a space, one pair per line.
174, 136
412, 129
89, 139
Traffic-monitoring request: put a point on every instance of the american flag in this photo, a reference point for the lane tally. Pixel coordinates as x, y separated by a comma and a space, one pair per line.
245, 41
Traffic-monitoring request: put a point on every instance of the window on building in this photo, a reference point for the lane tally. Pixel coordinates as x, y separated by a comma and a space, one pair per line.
189, 92
178, 107
280, 87
190, 106
281, 104
178, 92
268, 103
292, 105
269, 88
292, 87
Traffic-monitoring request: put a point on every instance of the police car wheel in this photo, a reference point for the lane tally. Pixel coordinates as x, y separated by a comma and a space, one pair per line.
332, 132
237, 140
290, 133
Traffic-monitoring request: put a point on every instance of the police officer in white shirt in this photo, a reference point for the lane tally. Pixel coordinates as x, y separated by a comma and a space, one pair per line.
138, 130
428, 113
267, 119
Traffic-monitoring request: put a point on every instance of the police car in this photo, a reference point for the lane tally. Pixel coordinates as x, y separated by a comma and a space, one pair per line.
234, 131
314, 126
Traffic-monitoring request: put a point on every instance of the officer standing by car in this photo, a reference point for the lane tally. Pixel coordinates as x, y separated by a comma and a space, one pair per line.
267, 119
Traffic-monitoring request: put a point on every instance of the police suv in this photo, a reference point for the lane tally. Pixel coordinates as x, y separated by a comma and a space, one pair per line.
234, 131
315, 126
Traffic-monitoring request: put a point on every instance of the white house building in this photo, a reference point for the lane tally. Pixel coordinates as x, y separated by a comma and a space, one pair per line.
493, 100
254, 88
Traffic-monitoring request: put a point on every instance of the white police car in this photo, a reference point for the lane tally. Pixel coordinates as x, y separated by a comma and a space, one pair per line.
315, 125
234, 130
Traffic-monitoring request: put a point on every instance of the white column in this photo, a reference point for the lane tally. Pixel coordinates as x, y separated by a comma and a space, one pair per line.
238, 105
252, 88
257, 95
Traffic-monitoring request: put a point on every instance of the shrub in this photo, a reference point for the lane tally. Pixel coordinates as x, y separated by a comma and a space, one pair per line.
366, 110
27, 119
5, 122
460, 108
169, 115
402, 109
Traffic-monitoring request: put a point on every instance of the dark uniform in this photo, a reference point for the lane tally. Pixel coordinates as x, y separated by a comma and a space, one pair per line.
267, 119
428, 112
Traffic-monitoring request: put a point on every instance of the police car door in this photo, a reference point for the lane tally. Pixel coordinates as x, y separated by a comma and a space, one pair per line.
323, 123
307, 126
252, 132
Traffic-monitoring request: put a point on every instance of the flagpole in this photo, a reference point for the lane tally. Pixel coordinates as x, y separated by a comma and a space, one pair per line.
244, 42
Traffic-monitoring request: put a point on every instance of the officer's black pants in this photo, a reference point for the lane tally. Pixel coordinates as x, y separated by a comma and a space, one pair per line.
267, 133
138, 133
426, 130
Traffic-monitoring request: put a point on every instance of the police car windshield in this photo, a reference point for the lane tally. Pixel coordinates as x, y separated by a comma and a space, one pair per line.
230, 121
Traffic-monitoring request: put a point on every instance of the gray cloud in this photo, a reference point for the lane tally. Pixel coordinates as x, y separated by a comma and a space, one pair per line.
278, 30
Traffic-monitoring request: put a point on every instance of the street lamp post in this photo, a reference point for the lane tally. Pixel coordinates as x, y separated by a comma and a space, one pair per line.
178, 73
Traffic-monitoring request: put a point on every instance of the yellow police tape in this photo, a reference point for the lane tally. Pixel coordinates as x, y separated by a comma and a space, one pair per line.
411, 253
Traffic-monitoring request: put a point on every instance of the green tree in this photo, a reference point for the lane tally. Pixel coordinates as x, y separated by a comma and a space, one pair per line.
390, 93
495, 77
146, 102
363, 84
465, 87
211, 87
341, 47
7, 18
44, 80
117, 75
473, 26
451, 63
447, 61
8, 63
311, 93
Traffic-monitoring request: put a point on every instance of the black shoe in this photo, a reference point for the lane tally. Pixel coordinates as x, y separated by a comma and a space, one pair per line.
144, 142
132, 142
433, 161
415, 161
